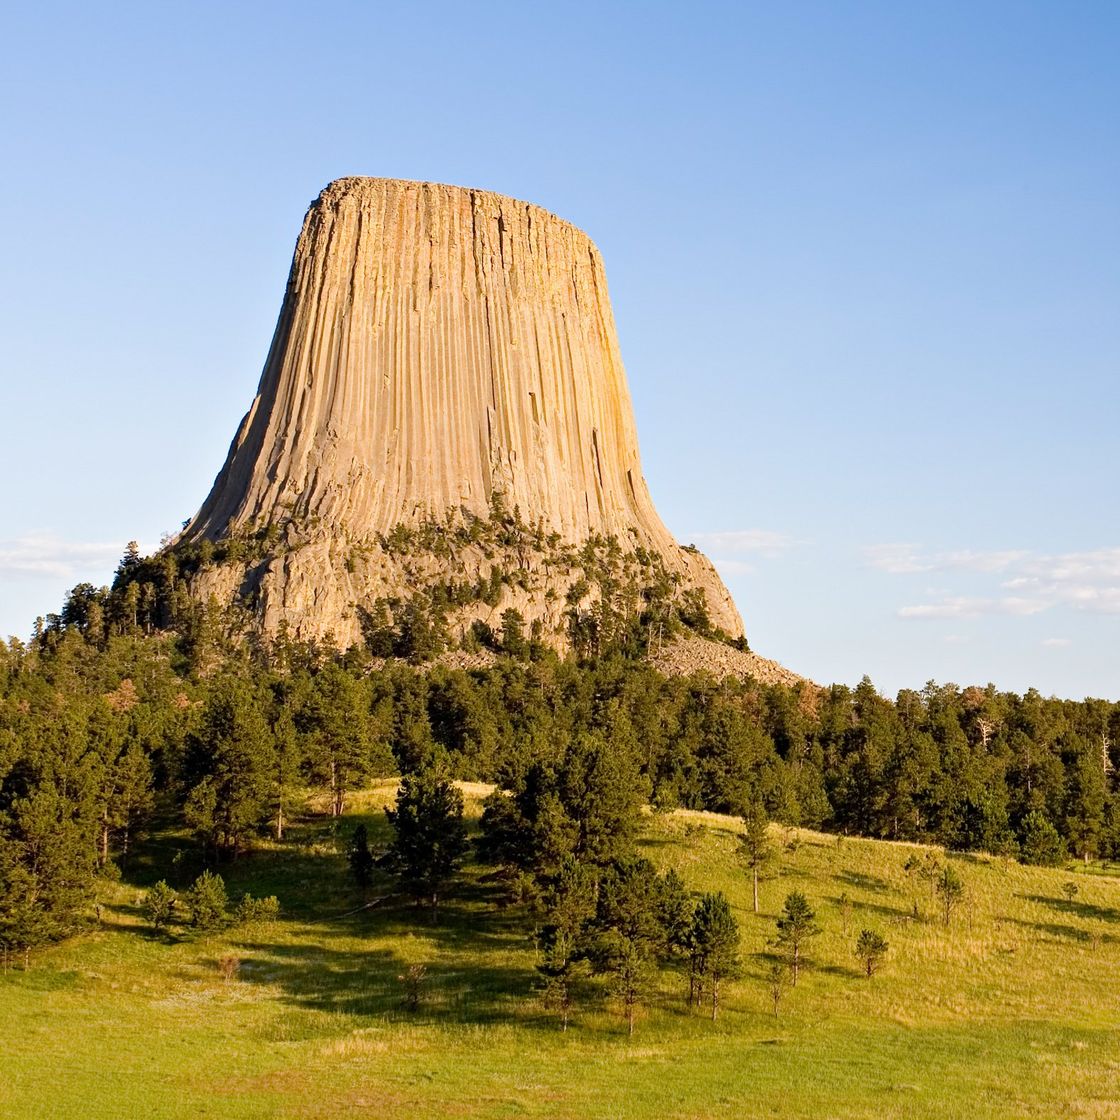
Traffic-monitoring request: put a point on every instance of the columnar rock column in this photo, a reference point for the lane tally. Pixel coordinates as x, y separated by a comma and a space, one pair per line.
438, 348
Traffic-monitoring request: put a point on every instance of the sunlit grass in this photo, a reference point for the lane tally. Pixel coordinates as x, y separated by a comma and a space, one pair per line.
1011, 1011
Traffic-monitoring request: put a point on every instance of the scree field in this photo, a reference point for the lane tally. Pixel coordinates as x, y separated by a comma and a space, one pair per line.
1010, 1011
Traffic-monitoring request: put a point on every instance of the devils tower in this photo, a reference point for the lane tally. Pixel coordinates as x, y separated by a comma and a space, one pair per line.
443, 414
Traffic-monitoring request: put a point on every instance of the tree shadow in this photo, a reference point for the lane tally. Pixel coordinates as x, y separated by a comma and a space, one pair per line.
474, 969
1054, 929
863, 881
870, 907
840, 970
111, 912
1074, 908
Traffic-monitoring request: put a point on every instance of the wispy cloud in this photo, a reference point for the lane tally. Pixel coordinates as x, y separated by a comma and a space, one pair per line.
44, 554
906, 559
961, 606
737, 542
1056, 643
1027, 582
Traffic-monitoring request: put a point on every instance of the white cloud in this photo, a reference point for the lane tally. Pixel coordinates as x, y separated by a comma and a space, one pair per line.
43, 554
1057, 643
905, 559
1031, 582
965, 607
764, 542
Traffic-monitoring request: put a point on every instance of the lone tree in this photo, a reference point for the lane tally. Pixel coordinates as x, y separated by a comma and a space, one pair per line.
950, 890
1069, 889
777, 980
715, 944
871, 948
755, 846
928, 869
360, 857
430, 836
796, 926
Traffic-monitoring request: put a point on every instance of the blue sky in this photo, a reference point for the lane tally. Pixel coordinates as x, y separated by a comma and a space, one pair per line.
864, 259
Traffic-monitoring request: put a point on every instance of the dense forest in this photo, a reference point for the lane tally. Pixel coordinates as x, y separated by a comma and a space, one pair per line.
135, 708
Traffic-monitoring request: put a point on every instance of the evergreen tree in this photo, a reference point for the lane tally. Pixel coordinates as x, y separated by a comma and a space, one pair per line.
1084, 762
206, 902
1041, 843
228, 766
714, 944
797, 925
336, 721
629, 968
755, 847
513, 633
430, 838
47, 859
950, 889
360, 858
562, 940
871, 948
159, 905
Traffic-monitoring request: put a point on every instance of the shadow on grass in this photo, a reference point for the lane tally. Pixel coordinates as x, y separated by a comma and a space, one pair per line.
138, 927
1055, 930
840, 970
465, 948
870, 907
1075, 909
862, 881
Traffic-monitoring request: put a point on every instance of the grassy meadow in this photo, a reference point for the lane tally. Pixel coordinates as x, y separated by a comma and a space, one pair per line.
1013, 1011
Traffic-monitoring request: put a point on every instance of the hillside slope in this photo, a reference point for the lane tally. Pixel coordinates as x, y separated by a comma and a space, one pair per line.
1009, 1012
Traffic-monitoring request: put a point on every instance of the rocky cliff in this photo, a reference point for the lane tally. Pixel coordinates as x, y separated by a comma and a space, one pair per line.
443, 406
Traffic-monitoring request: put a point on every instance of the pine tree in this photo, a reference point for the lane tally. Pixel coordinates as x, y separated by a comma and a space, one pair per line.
714, 944
360, 858
1041, 843
569, 908
206, 902
755, 846
430, 839
796, 926
950, 889
159, 905
228, 766
871, 948
336, 720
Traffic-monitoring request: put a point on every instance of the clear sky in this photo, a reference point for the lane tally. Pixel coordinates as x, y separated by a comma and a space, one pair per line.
864, 259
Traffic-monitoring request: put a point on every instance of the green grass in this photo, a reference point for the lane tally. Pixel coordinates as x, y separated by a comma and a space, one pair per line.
1011, 1012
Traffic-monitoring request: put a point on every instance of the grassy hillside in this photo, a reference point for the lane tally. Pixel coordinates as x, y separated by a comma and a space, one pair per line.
1012, 1011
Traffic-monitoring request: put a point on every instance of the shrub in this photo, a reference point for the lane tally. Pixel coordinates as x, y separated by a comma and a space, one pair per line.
206, 902
159, 905
253, 911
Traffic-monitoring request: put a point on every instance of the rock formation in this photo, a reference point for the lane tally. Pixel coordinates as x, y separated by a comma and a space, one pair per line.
443, 404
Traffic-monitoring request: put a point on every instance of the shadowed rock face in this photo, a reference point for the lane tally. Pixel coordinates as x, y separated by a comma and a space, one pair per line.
440, 350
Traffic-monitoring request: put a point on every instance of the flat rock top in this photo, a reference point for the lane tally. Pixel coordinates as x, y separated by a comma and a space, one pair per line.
373, 187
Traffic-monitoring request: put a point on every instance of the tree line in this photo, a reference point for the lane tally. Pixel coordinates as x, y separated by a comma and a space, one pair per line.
106, 727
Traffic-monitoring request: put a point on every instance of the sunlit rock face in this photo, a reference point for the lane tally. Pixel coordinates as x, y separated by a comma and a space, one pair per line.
444, 356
